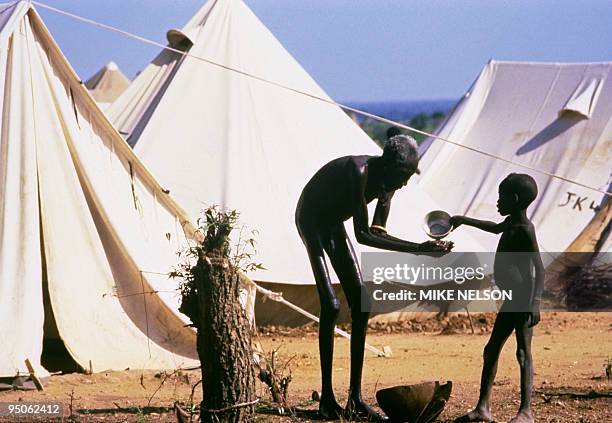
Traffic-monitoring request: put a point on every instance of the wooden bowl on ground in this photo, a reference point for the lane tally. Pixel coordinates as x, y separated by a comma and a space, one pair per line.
419, 403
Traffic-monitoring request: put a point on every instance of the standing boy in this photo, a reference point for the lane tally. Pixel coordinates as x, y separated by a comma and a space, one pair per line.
516, 256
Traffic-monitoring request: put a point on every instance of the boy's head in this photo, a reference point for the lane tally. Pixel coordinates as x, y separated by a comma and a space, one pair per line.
401, 159
516, 192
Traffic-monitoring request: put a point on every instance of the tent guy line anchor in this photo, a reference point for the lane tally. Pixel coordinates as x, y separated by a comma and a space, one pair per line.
35, 379
315, 97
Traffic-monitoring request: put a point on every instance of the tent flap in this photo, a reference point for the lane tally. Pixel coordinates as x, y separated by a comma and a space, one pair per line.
584, 99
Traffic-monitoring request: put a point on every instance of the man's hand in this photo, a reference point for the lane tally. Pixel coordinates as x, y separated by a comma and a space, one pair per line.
456, 221
435, 248
534, 315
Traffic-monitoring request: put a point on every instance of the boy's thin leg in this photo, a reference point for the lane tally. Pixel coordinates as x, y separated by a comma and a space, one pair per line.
523, 354
502, 329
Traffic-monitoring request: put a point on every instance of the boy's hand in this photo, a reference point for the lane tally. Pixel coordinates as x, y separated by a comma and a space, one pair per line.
456, 221
534, 315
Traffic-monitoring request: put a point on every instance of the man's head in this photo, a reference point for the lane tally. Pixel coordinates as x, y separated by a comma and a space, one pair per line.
393, 131
401, 161
516, 192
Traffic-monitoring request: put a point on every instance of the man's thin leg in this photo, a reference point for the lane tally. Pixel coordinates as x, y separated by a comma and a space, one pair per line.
501, 331
327, 321
330, 307
523, 355
359, 326
344, 261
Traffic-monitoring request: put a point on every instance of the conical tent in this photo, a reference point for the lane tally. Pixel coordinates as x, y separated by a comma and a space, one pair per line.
85, 230
214, 136
107, 84
548, 116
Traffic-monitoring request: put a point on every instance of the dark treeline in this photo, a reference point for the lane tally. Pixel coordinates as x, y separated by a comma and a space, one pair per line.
422, 121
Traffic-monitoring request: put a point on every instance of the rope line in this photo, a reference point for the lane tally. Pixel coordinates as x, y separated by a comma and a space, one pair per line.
230, 407
316, 97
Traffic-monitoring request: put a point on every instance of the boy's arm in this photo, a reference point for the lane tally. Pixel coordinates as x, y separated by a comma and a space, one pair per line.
538, 287
485, 225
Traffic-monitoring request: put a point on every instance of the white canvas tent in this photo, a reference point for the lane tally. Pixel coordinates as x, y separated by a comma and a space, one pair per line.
107, 84
213, 136
82, 222
549, 116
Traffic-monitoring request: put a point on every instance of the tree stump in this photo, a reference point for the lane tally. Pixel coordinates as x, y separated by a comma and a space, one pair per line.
223, 343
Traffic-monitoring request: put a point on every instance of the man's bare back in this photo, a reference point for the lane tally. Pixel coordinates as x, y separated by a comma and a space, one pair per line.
332, 203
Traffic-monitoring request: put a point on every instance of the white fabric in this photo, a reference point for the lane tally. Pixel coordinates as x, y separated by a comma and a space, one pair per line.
79, 209
21, 302
514, 111
212, 136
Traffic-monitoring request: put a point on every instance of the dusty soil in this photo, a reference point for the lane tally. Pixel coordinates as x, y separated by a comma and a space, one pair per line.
571, 351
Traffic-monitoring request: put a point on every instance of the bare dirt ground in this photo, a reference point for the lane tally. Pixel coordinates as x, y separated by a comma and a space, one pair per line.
571, 351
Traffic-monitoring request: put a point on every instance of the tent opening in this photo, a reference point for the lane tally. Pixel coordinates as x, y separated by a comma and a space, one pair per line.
55, 356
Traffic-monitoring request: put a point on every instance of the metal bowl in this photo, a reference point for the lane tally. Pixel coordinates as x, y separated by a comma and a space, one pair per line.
437, 224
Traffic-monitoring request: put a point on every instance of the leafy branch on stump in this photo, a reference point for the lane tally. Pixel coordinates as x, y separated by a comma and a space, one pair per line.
210, 298
276, 376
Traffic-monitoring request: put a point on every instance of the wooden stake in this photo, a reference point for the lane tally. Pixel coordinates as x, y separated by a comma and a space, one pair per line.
470, 319
33, 376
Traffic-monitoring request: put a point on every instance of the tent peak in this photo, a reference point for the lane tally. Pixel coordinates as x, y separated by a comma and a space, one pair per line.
179, 39
112, 66
27, 3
